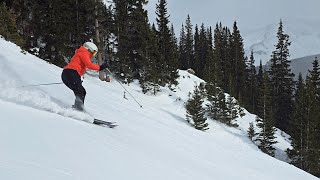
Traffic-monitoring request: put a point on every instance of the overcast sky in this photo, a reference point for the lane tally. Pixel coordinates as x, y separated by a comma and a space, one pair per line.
250, 14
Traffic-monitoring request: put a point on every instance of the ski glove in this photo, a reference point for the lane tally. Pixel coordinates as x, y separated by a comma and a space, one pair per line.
103, 66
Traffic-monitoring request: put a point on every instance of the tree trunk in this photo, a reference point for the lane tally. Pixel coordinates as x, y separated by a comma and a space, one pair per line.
99, 55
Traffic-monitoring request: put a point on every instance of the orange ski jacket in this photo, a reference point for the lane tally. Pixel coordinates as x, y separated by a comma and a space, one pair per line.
81, 60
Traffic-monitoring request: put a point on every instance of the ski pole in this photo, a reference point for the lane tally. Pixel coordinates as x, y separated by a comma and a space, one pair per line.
125, 89
46, 84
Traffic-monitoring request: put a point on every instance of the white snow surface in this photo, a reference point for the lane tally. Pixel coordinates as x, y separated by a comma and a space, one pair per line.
38, 141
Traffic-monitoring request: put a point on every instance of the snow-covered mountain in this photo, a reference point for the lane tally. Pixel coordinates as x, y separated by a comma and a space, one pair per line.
304, 37
153, 142
258, 21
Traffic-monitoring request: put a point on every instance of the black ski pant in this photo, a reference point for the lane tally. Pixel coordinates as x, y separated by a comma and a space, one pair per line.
72, 80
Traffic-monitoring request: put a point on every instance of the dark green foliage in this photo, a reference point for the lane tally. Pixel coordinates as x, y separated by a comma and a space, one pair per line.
251, 131
237, 69
186, 46
298, 126
221, 57
250, 98
132, 31
167, 47
195, 112
213, 94
282, 83
265, 120
57, 28
221, 108
305, 138
202, 46
150, 74
8, 27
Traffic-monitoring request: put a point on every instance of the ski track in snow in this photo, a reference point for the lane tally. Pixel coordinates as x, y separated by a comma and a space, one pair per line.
150, 143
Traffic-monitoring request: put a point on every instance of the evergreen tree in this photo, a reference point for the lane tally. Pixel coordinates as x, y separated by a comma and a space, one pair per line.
221, 107
166, 47
197, 53
8, 27
182, 50
315, 76
312, 129
213, 94
238, 67
201, 52
132, 29
251, 131
259, 82
195, 111
150, 74
231, 113
313, 121
265, 121
209, 69
281, 81
298, 126
250, 93
219, 55
189, 44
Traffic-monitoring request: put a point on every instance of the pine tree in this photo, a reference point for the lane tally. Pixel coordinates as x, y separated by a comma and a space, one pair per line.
197, 51
166, 46
250, 93
251, 131
150, 74
195, 111
259, 82
213, 94
315, 76
312, 129
209, 74
313, 121
238, 67
232, 112
189, 43
182, 50
282, 81
265, 121
132, 30
219, 62
201, 52
298, 126
8, 27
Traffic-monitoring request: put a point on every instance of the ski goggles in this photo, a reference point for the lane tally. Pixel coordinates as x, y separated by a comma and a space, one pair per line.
94, 53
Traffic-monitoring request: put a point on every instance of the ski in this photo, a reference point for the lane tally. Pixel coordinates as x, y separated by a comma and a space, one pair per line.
103, 123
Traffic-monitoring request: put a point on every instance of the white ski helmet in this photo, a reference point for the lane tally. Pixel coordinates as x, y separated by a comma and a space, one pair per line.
91, 47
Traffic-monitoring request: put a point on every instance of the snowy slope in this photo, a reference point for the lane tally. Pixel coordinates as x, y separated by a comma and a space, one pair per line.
150, 143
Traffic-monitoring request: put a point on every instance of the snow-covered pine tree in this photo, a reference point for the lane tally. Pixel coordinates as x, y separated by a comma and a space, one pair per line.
251, 132
195, 111
232, 112
213, 93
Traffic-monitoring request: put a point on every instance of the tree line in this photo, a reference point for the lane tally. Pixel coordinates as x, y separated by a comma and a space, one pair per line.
152, 54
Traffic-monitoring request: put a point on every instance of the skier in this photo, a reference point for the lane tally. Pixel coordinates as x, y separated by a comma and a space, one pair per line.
71, 74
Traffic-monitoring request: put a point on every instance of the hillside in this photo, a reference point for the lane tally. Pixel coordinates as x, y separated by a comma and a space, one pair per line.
153, 142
